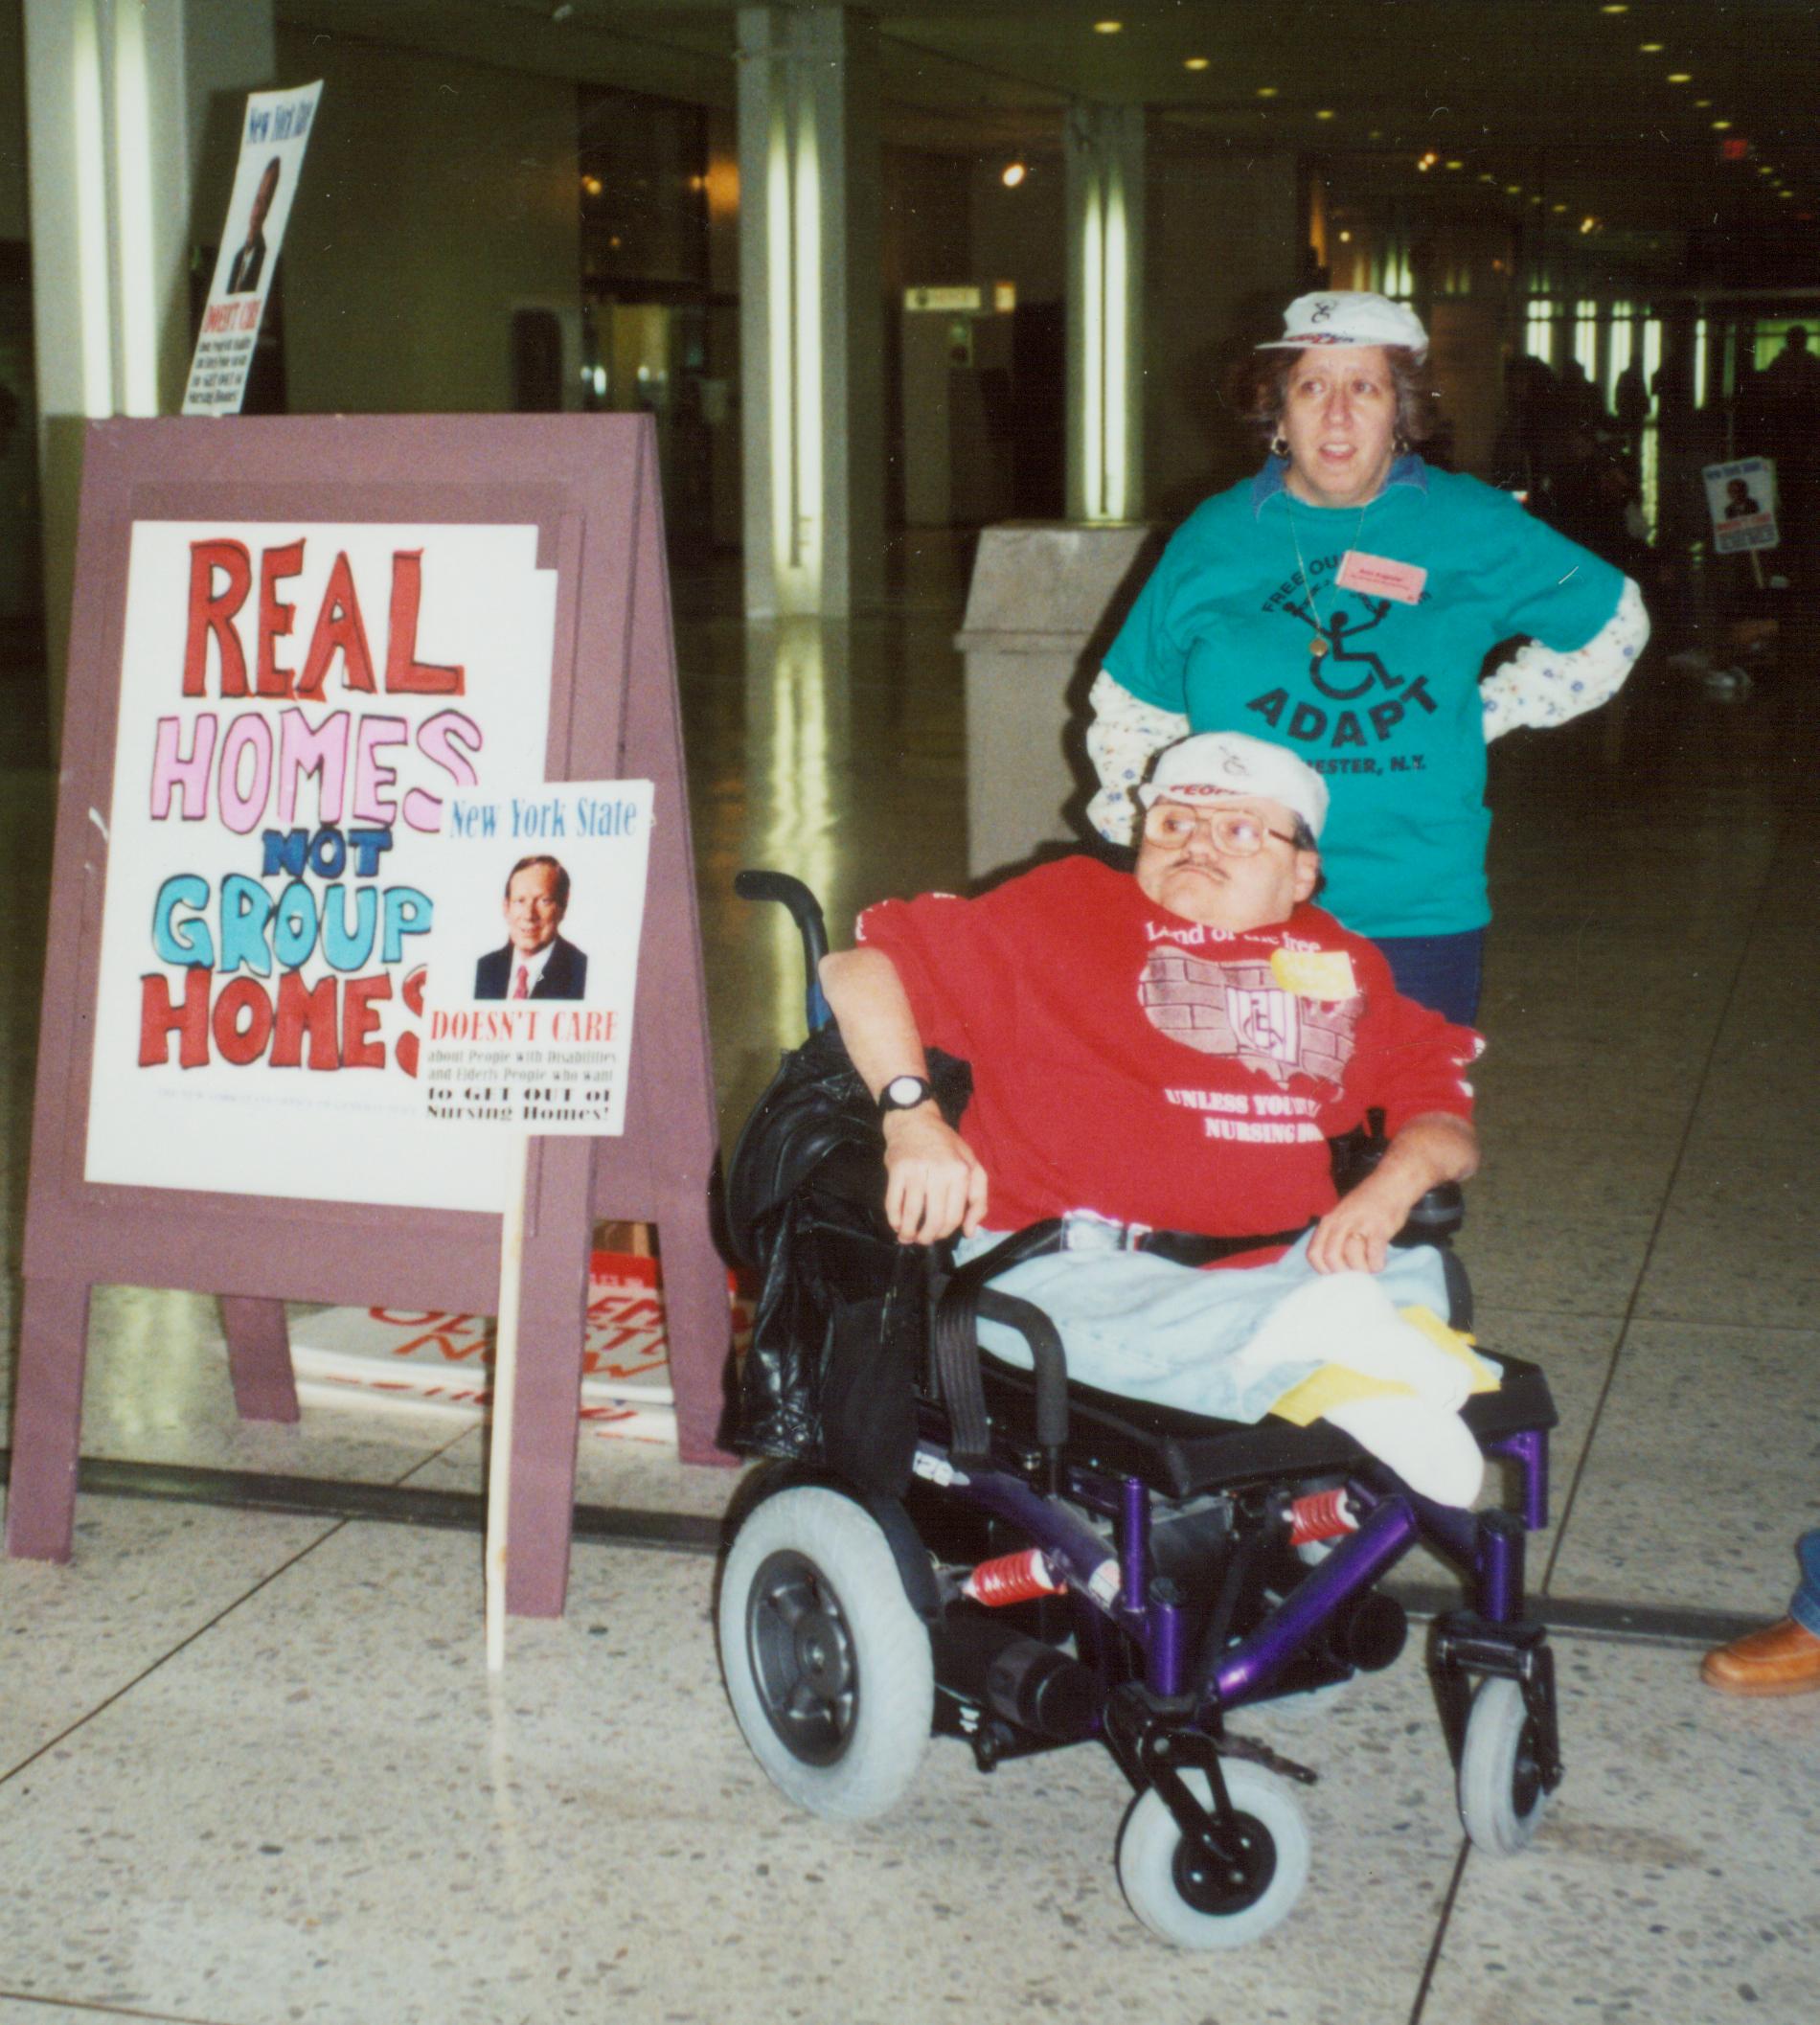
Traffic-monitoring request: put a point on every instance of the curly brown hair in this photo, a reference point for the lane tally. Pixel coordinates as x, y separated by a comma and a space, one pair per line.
1259, 383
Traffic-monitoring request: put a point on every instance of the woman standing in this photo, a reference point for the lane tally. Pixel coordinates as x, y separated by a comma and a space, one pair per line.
1341, 603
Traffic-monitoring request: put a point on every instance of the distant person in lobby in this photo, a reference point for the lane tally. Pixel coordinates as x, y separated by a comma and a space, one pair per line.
249, 260
1783, 1658
1341, 604
535, 963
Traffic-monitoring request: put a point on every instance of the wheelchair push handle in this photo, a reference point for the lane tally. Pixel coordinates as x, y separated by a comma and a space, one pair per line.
806, 911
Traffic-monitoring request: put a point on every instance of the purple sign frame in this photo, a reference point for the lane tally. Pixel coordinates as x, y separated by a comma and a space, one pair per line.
589, 485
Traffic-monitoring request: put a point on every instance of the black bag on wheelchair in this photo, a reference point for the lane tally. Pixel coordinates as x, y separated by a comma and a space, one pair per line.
830, 1375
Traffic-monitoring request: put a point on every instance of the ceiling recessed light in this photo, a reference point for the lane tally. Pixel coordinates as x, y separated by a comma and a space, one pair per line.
1721, 126
1763, 169
1107, 28
1557, 207
1013, 173
1513, 190
1266, 91
1486, 176
1701, 105
1456, 164
1651, 48
1680, 76
1325, 113
1587, 224
1616, 7
1196, 62
1346, 238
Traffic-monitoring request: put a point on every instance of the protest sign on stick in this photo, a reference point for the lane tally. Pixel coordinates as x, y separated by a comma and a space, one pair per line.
274, 134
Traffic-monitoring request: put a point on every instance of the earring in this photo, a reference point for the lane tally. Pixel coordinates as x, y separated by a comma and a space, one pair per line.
1399, 442
1280, 445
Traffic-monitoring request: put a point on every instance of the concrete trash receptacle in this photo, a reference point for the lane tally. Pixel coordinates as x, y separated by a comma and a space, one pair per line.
1046, 598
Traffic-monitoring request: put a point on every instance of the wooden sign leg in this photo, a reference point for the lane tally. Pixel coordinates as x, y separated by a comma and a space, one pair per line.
546, 1410
47, 1419
258, 1358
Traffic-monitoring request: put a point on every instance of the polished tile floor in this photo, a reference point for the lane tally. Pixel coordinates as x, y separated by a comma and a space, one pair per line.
252, 1768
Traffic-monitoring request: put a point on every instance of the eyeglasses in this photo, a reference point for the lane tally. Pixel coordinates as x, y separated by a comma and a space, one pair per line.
1233, 832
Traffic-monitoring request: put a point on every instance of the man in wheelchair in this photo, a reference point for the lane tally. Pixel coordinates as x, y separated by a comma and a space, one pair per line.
1160, 1060
1238, 1408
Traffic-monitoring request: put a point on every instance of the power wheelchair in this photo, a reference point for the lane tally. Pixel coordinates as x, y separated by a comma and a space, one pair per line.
941, 1542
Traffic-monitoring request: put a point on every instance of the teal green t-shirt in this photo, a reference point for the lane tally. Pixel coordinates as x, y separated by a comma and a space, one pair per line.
1390, 715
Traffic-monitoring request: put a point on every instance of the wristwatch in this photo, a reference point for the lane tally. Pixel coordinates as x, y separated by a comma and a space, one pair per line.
903, 1093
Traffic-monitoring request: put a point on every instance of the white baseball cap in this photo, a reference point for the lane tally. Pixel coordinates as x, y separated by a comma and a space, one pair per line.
1220, 763
1348, 317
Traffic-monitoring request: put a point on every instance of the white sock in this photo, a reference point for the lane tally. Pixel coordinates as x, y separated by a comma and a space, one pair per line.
1348, 1319
1429, 1448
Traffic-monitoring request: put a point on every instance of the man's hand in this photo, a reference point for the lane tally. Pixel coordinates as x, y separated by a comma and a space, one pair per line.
1355, 1235
934, 1184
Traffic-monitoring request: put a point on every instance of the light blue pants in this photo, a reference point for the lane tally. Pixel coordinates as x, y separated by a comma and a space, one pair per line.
1139, 1325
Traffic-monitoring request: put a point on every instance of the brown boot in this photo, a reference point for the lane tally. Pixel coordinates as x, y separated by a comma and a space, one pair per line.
1781, 1659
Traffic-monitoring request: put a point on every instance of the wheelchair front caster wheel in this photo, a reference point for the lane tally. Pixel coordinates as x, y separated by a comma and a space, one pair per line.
828, 1669
1500, 1784
1194, 1903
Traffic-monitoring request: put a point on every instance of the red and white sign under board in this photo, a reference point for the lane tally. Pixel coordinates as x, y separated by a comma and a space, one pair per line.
434, 1365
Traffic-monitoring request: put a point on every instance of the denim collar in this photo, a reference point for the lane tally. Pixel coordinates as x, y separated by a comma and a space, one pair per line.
1408, 470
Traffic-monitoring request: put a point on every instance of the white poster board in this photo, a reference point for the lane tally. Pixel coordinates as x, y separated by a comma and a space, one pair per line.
273, 138
533, 961
1740, 496
298, 703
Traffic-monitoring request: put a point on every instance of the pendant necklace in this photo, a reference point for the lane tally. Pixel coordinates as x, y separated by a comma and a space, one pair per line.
1318, 646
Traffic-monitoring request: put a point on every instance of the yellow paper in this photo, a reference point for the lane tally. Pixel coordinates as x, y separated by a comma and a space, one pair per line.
1334, 1385
1314, 973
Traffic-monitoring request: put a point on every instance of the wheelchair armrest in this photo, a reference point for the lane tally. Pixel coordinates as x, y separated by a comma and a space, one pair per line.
1046, 1356
1435, 1217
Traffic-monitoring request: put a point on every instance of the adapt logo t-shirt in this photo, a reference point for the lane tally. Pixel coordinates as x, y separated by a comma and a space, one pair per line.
1390, 713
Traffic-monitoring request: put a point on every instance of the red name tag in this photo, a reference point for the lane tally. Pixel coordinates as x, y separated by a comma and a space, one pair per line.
1379, 577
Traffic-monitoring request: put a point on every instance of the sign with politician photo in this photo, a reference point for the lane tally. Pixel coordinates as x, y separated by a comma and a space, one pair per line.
534, 960
298, 703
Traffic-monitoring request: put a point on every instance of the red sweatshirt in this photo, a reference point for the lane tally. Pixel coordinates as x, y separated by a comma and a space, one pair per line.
1154, 1069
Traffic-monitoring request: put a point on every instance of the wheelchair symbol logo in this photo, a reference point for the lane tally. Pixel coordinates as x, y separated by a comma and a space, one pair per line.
1264, 1022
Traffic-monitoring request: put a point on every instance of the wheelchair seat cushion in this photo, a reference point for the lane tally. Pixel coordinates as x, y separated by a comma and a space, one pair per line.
1180, 1455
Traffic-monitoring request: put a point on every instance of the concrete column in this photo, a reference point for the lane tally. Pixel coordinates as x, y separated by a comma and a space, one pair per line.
1103, 149
119, 103
811, 333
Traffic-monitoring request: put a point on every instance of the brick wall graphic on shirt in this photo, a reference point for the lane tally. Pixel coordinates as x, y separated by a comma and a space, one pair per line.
1239, 1010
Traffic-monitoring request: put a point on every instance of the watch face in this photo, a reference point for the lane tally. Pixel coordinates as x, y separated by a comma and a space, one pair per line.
903, 1092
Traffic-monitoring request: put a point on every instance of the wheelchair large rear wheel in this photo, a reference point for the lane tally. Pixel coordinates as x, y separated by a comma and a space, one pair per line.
828, 1669
1181, 1896
1500, 1784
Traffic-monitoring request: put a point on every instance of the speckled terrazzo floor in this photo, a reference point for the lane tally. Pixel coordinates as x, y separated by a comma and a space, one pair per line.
252, 1770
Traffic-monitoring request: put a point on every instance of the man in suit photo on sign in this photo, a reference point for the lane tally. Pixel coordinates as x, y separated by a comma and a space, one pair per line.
249, 260
535, 963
